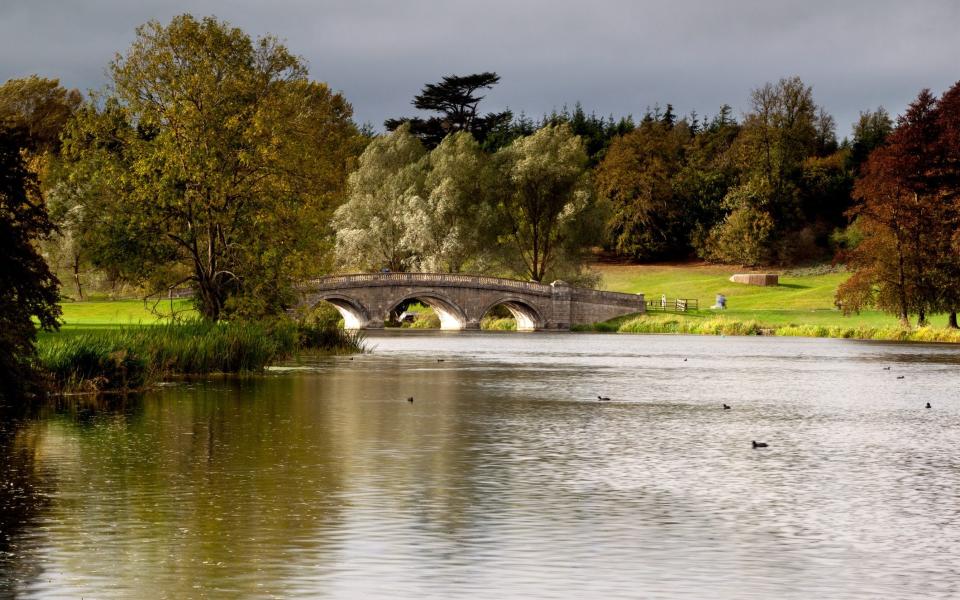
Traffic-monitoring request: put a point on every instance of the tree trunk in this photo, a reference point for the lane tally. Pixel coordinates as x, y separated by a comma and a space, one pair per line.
211, 298
952, 322
76, 275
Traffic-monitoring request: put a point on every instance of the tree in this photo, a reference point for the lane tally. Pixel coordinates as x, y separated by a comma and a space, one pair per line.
371, 224
28, 289
902, 220
457, 100
639, 176
545, 201
42, 107
227, 166
869, 133
783, 129
448, 225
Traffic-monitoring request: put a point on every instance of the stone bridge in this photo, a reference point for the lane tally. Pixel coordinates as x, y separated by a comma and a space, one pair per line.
366, 300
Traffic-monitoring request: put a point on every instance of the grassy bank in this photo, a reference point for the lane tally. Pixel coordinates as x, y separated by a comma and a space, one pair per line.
711, 324
805, 297
134, 357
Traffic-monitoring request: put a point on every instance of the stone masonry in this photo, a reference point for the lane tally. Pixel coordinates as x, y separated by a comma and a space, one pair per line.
365, 300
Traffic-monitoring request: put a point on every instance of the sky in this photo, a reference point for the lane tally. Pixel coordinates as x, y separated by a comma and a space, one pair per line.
614, 56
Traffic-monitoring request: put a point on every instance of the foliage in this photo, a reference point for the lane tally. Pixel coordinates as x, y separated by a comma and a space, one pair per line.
28, 289
41, 107
869, 133
794, 180
639, 176
545, 202
371, 225
905, 264
225, 161
456, 99
447, 225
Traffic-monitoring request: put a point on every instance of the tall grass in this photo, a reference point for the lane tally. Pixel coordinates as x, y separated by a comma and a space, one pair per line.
725, 326
134, 357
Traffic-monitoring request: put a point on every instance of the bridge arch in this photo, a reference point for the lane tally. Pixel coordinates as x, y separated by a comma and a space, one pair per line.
355, 315
452, 317
527, 316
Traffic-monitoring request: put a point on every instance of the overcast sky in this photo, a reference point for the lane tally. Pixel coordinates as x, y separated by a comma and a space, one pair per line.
614, 56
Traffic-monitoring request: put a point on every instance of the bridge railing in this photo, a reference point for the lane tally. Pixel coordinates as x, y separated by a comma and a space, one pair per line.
432, 278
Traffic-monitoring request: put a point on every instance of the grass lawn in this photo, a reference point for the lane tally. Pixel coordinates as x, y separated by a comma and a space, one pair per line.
99, 314
798, 300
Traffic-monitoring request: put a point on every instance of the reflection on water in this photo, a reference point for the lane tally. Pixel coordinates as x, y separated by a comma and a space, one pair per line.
505, 477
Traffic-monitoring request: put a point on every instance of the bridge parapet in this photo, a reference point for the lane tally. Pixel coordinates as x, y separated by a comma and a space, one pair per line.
421, 279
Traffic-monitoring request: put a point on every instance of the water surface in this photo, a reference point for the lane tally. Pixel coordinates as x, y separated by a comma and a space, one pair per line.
505, 477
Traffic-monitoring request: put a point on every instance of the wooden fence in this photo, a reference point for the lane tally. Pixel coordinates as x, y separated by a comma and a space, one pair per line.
676, 305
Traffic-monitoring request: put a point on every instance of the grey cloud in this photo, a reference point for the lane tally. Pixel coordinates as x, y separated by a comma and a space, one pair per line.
614, 56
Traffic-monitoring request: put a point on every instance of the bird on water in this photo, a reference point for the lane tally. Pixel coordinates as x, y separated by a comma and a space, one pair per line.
726, 406
900, 376
928, 405
886, 368
410, 399
603, 399
757, 444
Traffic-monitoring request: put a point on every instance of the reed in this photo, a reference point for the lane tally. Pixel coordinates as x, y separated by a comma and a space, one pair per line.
725, 326
131, 358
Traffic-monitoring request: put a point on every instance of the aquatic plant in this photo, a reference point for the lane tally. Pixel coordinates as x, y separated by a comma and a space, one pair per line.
130, 358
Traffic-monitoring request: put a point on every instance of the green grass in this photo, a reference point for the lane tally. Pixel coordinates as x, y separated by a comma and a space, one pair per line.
111, 313
800, 299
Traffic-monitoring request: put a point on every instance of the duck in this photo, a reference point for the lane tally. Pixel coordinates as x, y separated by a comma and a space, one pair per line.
603, 398
928, 405
900, 376
410, 399
886, 368
757, 444
439, 360
726, 406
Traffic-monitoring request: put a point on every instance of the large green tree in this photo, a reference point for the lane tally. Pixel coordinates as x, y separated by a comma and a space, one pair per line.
449, 224
226, 163
28, 289
545, 202
783, 129
371, 225
640, 176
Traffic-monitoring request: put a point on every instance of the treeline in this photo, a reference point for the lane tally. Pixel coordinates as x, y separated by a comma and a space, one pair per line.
771, 187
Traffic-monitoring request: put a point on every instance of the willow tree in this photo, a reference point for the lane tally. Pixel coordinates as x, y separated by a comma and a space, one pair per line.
232, 161
449, 224
371, 228
544, 201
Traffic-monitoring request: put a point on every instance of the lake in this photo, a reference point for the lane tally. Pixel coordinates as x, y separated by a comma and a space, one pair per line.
505, 477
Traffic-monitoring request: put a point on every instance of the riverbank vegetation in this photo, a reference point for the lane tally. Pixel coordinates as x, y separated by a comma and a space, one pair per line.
712, 324
133, 357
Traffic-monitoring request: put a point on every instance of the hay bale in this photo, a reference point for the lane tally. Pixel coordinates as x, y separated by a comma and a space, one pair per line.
756, 278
